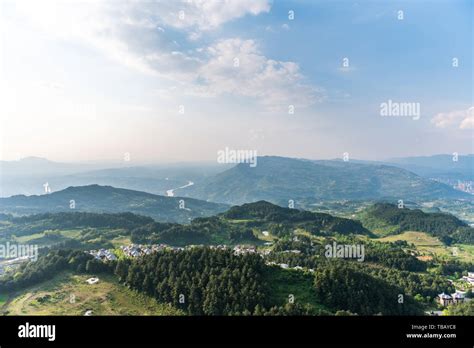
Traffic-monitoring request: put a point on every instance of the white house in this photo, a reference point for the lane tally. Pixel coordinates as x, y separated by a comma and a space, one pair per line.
469, 278
445, 299
458, 297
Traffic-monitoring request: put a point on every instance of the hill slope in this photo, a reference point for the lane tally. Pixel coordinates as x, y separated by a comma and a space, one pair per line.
239, 223
98, 199
279, 179
390, 219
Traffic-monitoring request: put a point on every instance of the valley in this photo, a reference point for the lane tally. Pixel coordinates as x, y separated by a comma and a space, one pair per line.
261, 250
287, 247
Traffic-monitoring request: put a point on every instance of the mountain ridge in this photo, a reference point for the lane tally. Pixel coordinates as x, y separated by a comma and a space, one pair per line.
280, 179
108, 199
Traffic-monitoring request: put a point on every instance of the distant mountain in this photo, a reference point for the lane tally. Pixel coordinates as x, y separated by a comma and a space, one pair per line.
390, 219
35, 166
439, 166
107, 199
280, 179
27, 176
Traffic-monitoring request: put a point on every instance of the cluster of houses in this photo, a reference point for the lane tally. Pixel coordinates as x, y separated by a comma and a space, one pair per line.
458, 296
137, 250
245, 249
132, 250
446, 299
219, 247
286, 266
250, 249
103, 255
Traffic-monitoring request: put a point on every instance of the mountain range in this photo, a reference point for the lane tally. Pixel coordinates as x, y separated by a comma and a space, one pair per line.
280, 179
274, 179
28, 175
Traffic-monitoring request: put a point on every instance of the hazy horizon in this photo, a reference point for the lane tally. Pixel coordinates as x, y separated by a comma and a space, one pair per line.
116, 162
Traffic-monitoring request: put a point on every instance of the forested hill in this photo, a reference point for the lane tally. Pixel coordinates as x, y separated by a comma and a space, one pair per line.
240, 223
446, 227
31, 224
315, 222
108, 199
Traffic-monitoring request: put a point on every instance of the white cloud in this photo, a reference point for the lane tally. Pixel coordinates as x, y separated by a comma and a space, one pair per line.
208, 14
237, 66
135, 34
462, 119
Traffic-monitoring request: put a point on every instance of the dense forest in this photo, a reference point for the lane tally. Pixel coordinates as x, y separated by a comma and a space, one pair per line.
200, 281
339, 285
275, 216
31, 224
212, 230
446, 227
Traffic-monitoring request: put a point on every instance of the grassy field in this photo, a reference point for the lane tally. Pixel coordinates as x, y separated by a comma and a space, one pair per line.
102, 236
429, 246
121, 240
70, 294
286, 282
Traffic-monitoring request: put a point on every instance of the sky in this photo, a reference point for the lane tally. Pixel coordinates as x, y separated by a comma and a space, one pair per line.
170, 81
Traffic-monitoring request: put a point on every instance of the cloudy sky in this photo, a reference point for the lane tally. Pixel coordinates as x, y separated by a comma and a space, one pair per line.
179, 80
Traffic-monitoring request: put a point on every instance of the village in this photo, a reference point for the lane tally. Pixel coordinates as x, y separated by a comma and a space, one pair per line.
139, 250
458, 296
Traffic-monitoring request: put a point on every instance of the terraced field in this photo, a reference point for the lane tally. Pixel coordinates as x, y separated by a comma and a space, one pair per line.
429, 246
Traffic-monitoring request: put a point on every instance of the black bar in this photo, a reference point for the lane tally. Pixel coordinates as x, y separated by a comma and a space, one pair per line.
241, 330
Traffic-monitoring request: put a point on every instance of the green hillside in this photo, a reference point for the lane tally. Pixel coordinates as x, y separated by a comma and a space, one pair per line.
241, 224
387, 219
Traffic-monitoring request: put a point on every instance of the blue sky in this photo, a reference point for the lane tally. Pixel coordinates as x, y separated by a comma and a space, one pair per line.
89, 80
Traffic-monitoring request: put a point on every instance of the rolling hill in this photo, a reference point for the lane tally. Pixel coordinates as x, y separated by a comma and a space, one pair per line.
280, 179
107, 199
388, 219
241, 224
